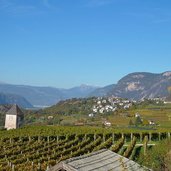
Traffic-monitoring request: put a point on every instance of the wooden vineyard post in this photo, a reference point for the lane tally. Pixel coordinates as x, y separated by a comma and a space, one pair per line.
32, 165
13, 167
39, 166
47, 169
38, 138
169, 135
150, 136
113, 138
141, 137
103, 137
85, 136
94, 137
131, 137
145, 144
125, 138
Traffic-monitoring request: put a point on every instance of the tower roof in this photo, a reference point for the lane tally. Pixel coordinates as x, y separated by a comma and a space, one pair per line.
15, 110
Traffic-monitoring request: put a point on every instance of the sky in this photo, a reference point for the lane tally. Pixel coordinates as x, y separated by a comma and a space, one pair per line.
65, 43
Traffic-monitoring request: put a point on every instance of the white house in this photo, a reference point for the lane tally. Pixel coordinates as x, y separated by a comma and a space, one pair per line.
99, 102
91, 115
137, 115
104, 101
101, 110
106, 123
50, 117
151, 122
95, 110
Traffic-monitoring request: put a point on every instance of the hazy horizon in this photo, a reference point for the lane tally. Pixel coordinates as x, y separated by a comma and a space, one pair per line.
82, 84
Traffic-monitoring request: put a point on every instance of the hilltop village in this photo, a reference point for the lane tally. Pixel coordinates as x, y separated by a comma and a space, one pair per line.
102, 111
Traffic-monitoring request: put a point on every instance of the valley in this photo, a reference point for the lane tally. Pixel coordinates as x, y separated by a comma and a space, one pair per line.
88, 120
135, 86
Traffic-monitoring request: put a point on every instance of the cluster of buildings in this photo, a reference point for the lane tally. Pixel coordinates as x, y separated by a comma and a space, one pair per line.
104, 105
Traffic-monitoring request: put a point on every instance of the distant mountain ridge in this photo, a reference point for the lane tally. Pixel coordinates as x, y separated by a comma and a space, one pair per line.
46, 96
141, 85
100, 92
136, 85
14, 99
79, 91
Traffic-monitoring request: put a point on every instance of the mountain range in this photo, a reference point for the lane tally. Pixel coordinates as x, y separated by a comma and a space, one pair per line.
6, 98
44, 96
142, 85
136, 86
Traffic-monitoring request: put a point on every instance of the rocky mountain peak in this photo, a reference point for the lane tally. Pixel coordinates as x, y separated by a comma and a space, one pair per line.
134, 86
140, 85
167, 74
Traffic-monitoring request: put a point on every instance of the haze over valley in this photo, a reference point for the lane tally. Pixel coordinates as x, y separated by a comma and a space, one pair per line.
138, 85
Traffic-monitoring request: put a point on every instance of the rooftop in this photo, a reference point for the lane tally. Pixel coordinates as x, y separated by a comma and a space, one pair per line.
103, 160
14, 110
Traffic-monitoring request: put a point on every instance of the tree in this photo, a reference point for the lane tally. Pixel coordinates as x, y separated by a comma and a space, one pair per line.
138, 121
145, 122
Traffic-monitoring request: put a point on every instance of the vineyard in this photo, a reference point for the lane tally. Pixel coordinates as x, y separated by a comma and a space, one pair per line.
39, 148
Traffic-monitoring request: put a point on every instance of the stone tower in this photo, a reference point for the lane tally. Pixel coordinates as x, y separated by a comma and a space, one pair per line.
14, 118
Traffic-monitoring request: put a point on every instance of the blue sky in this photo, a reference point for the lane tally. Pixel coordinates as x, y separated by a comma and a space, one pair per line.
64, 43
